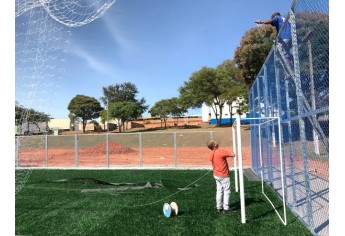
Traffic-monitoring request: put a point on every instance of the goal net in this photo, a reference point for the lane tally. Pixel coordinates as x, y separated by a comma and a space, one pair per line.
42, 33
265, 143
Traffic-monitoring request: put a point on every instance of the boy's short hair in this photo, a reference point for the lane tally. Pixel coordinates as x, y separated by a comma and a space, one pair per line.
210, 144
275, 14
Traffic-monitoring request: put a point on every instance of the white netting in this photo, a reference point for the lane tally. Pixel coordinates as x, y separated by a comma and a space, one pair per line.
25, 5
67, 12
43, 29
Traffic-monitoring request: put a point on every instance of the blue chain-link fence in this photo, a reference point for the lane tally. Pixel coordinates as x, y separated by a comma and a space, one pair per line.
293, 84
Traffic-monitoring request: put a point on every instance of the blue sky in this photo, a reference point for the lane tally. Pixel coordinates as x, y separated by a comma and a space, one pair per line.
153, 44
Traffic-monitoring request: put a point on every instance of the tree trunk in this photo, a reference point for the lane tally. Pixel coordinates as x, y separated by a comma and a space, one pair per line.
230, 112
84, 125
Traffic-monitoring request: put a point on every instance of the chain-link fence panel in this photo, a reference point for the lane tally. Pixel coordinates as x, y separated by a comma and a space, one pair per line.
293, 84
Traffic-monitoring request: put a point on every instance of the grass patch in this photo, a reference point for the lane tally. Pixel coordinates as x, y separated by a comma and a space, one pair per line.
53, 202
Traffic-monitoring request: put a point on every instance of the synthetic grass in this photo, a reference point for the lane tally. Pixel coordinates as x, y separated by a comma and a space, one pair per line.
52, 203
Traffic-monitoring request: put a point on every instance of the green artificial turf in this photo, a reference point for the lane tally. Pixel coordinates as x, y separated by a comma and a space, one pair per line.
96, 202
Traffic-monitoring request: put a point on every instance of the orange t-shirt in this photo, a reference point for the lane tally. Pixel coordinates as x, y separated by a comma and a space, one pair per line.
219, 162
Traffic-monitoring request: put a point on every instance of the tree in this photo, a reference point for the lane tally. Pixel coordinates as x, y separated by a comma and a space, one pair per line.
313, 52
160, 110
236, 89
73, 118
36, 117
125, 92
167, 107
176, 108
104, 117
123, 112
252, 52
85, 108
206, 86
29, 116
120, 94
20, 113
237, 92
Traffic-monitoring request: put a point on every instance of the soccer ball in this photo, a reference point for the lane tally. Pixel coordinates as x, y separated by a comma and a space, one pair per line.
170, 209
174, 208
166, 210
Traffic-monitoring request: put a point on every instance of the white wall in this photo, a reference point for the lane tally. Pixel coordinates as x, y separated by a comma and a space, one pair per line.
206, 110
63, 124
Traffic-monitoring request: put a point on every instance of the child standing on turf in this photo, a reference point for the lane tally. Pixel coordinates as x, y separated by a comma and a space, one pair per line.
218, 157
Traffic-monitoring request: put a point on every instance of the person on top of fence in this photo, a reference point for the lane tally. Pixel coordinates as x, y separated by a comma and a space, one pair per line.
284, 39
218, 157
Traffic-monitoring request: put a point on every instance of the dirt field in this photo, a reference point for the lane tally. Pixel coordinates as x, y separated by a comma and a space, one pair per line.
120, 155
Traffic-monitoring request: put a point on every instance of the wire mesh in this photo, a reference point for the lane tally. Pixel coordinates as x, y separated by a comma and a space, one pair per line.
293, 84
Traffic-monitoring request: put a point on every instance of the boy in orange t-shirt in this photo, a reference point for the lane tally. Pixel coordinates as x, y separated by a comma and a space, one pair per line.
218, 157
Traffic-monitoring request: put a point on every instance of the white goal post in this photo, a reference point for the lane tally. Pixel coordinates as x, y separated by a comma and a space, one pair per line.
237, 146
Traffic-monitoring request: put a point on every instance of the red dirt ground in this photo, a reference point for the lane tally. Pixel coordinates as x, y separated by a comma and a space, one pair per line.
121, 156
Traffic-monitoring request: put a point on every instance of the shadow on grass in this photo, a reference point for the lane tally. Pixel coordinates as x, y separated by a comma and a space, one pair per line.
248, 201
255, 215
263, 214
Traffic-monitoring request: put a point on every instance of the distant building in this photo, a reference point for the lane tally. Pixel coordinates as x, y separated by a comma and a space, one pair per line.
153, 122
60, 124
209, 116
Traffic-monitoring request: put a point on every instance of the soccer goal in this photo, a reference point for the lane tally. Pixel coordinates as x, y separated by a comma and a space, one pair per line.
266, 142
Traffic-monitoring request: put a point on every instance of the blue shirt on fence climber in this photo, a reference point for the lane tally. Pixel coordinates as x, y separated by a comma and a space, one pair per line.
278, 21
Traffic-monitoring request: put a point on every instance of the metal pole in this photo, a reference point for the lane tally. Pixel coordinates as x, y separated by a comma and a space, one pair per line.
303, 139
312, 95
17, 151
46, 149
272, 113
107, 141
76, 150
175, 153
266, 109
235, 159
140, 151
280, 130
108, 115
261, 163
239, 144
282, 168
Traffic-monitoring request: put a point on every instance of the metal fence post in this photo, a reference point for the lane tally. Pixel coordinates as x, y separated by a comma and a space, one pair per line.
17, 151
268, 133
140, 151
258, 81
280, 127
175, 156
299, 94
107, 151
76, 150
46, 150
312, 93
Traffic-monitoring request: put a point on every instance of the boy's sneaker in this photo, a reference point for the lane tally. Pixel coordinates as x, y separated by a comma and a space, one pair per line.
229, 211
219, 210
